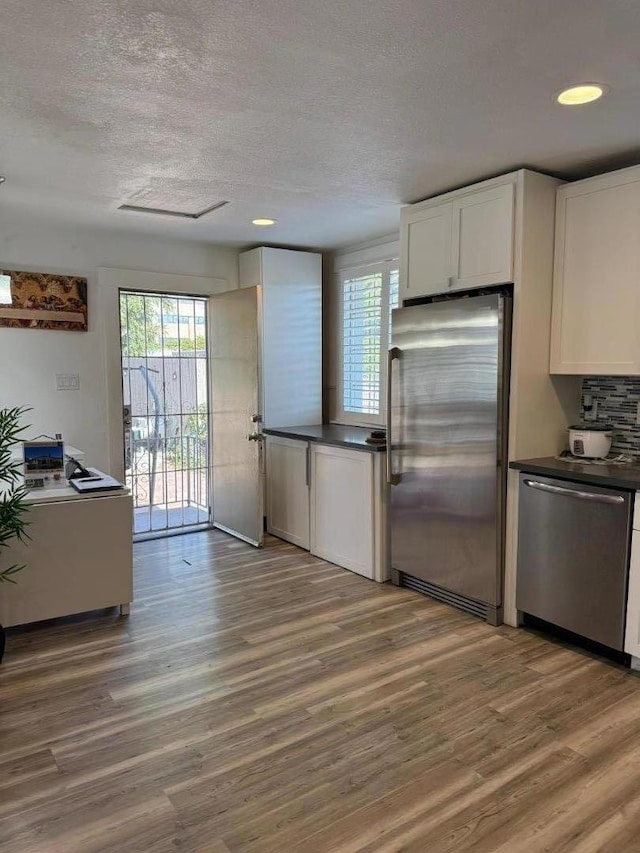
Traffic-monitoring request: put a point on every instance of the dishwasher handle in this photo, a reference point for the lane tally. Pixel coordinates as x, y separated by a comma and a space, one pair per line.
575, 493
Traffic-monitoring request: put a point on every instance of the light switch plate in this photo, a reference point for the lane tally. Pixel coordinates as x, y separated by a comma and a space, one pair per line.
67, 381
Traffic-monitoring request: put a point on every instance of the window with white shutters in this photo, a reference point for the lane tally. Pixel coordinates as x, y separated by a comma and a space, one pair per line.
368, 296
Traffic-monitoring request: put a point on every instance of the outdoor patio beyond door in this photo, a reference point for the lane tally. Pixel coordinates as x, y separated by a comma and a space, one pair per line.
166, 410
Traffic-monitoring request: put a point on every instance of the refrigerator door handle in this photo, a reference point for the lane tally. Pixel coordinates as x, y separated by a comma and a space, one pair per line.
393, 355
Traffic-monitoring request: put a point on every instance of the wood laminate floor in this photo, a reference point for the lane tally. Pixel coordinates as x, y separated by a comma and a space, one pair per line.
268, 702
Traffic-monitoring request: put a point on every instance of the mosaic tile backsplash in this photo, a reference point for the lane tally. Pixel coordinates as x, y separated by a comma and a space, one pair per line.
617, 398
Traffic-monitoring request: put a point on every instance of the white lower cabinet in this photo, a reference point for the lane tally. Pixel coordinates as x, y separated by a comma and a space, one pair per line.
632, 633
330, 500
342, 508
288, 489
348, 517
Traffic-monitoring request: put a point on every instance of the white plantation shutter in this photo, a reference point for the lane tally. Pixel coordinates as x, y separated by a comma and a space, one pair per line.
361, 321
368, 296
394, 293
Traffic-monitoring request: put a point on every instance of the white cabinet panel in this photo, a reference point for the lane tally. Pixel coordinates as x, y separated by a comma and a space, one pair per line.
425, 262
288, 490
596, 297
483, 238
342, 508
632, 634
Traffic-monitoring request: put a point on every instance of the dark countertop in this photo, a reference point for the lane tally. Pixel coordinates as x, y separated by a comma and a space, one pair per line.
340, 436
617, 476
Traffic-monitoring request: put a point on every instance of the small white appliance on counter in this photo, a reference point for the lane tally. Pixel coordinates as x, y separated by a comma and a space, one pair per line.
593, 440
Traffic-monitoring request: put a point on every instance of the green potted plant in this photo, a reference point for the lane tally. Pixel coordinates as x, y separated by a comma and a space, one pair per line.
13, 495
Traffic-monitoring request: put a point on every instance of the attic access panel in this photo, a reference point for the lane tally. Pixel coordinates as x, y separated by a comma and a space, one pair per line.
187, 202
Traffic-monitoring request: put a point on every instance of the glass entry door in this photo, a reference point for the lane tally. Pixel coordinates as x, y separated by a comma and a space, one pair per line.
166, 410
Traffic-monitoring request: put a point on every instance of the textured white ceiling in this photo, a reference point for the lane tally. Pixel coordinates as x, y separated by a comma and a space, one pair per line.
324, 114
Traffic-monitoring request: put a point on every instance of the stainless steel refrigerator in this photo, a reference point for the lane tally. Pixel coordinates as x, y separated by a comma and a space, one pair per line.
447, 438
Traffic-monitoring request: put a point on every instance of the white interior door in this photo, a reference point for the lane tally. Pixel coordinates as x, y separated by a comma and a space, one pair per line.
238, 492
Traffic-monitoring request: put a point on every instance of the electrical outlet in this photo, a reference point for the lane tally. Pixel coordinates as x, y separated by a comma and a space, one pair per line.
67, 381
590, 407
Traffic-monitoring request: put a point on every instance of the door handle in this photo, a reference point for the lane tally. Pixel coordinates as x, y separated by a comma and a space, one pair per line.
575, 493
393, 355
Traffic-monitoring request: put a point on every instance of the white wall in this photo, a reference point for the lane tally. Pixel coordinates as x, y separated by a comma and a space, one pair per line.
30, 358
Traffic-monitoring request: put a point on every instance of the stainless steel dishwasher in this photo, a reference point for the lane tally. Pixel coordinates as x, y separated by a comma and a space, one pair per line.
573, 556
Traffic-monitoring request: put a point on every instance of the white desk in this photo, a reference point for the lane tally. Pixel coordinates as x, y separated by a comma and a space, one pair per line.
79, 557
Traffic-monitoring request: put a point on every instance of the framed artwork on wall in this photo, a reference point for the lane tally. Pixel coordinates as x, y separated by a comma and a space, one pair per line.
43, 301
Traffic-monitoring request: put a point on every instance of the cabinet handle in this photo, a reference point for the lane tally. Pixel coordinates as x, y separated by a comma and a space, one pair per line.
308, 466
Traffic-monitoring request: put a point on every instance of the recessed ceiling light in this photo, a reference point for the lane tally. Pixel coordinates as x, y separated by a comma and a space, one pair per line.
2, 179
582, 94
263, 221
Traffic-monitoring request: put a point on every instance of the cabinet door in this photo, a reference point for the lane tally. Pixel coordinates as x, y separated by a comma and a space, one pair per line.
291, 337
288, 489
482, 243
342, 508
596, 289
425, 254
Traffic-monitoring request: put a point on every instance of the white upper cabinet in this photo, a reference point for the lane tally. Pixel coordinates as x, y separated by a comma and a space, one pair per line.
482, 238
425, 262
290, 332
461, 241
596, 288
